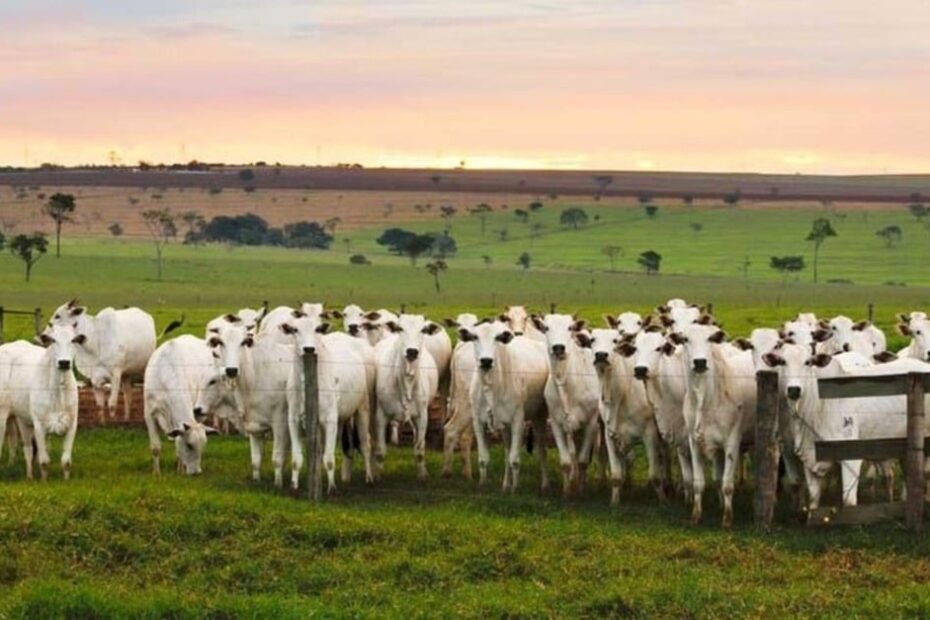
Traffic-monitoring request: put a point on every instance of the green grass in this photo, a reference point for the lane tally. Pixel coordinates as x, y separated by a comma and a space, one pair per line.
116, 542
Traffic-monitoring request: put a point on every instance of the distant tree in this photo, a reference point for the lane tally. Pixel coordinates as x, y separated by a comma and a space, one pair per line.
246, 175
161, 227
359, 259
331, 224
573, 217
444, 245
29, 249
416, 246
435, 269
306, 235
115, 229
651, 261
891, 234
918, 210
602, 181
644, 199
435, 179
394, 239
481, 211
447, 212
215, 191
247, 229
787, 265
524, 260
821, 230
697, 227
2, 240
612, 252
60, 208
535, 206
651, 210
688, 199
522, 215
488, 261
249, 189
732, 198
347, 241
744, 266
536, 229
503, 234
195, 223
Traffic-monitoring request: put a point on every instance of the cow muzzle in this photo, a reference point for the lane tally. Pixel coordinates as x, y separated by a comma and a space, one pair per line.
700, 365
232, 372
310, 350
64, 364
486, 363
198, 412
641, 373
601, 358
846, 348
558, 350
794, 392
353, 330
412, 355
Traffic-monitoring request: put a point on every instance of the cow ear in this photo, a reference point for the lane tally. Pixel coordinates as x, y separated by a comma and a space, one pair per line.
449, 323
781, 334
504, 337
287, 328
884, 357
784, 341
45, 340
822, 335
322, 328
214, 342
718, 336
583, 340
647, 321
326, 315
861, 325
297, 313
663, 309
820, 360
611, 321
904, 329
704, 319
394, 327
214, 330
374, 315
79, 339
626, 349
667, 348
369, 326
773, 360
743, 344
677, 338
465, 335
78, 311
248, 341
823, 324
652, 329
209, 430
337, 314
667, 321
231, 318
431, 329
904, 318
579, 325
175, 433
503, 318
539, 323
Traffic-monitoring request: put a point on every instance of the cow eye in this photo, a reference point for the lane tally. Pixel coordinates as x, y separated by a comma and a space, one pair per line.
212, 382
57, 316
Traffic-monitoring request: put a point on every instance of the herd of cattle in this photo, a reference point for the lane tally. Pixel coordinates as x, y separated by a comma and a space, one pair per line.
671, 381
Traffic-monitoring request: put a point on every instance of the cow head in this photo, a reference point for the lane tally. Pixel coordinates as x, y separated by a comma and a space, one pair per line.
560, 330
801, 332
486, 337
626, 322
797, 368
190, 439
71, 313
60, 341
697, 342
251, 318
306, 332
466, 320
603, 343
227, 343
678, 319
352, 318
646, 349
411, 330
517, 319
919, 332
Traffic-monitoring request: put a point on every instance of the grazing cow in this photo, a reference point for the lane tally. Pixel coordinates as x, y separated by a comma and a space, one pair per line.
407, 381
659, 366
117, 345
250, 318
719, 411
918, 330
518, 320
262, 379
345, 386
843, 335
507, 392
627, 414
814, 419
457, 431
38, 387
271, 323
572, 396
173, 379
375, 325
353, 320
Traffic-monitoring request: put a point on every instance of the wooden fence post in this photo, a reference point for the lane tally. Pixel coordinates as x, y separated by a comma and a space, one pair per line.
766, 448
551, 307
37, 320
914, 459
312, 417
871, 313
710, 309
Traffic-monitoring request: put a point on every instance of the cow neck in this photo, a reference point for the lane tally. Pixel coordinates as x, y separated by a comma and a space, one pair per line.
61, 395
561, 370
406, 377
807, 412
87, 325
245, 382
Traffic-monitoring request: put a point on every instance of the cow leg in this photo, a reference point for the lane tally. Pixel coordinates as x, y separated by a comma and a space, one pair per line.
68, 445
849, 474
565, 457
539, 438
484, 455
719, 462
654, 459
361, 425
516, 443
465, 442
450, 438
395, 432
127, 400
345, 471
380, 441
42, 448
12, 439
687, 471
697, 468
728, 481
4, 416
505, 444
330, 431
255, 447
154, 439
279, 444
587, 448
100, 400
419, 446
615, 461
113, 399
26, 434
297, 448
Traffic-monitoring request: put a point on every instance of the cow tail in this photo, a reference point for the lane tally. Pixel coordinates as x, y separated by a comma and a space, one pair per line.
356, 440
173, 325
346, 439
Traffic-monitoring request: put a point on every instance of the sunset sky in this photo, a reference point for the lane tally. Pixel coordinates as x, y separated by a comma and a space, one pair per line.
788, 86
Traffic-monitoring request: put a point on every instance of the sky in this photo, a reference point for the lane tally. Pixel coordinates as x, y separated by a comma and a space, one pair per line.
822, 86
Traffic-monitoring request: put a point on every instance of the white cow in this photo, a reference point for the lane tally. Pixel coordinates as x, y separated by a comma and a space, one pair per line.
506, 393
659, 365
918, 330
814, 419
262, 379
271, 323
808, 318
572, 397
38, 387
802, 332
627, 414
407, 381
457, 431
677, 319
353, 320
116, 347
627, 323
375, 325
862, 337
720, 404
250, 318
173, 379
344, 385
518, 320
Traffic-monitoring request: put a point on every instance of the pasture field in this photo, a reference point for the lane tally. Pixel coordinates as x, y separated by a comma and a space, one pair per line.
116, 542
